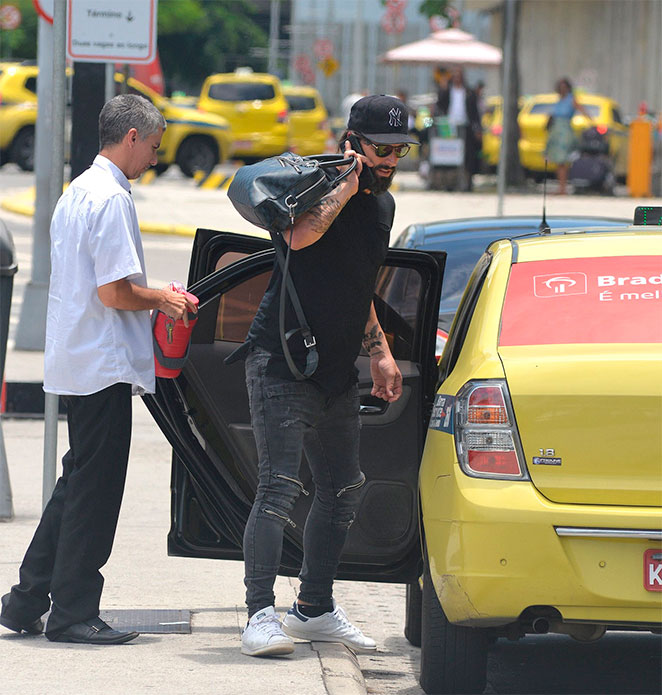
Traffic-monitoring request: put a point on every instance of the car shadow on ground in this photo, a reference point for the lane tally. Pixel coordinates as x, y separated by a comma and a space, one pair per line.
619, 663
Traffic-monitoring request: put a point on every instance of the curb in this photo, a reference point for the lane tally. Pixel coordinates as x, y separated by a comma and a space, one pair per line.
23, 204
25, 400
341, 673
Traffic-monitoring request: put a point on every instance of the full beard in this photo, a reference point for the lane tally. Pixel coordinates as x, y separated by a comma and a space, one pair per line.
382, 183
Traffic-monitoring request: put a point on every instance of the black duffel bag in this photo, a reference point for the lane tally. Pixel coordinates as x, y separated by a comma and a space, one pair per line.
274, 192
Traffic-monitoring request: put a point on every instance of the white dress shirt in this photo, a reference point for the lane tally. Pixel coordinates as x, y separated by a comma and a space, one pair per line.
95, 239
457, 105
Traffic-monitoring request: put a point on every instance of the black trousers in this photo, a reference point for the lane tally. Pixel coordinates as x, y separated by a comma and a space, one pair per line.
75, 535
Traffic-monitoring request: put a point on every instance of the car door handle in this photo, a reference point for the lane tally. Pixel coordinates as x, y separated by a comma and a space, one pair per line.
372, 409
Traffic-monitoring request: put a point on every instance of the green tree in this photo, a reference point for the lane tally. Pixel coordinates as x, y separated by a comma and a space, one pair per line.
434, 8
20, 43
198, 37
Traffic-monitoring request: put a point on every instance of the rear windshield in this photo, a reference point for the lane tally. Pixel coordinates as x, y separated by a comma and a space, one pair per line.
583, 300
593, 110
241, 91
299, 103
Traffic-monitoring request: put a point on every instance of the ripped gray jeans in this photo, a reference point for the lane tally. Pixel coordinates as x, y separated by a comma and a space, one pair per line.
288, 417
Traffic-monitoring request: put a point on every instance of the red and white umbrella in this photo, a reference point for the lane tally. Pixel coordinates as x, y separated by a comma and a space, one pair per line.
446, 47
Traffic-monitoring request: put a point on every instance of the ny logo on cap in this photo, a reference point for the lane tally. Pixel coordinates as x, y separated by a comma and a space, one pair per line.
394, 117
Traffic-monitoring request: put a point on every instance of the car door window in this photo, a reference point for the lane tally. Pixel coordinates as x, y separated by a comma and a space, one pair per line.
396, 302
238, 307
463, 317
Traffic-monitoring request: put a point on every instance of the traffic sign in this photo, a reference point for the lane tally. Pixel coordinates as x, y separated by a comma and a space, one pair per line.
111, 31
44, 9
10, 17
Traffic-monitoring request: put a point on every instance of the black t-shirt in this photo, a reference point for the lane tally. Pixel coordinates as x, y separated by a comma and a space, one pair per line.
335, 281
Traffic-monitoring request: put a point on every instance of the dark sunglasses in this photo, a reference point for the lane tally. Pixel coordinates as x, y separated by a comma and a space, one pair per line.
386, 150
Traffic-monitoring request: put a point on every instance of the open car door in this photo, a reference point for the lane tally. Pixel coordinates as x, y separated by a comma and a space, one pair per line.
204, 414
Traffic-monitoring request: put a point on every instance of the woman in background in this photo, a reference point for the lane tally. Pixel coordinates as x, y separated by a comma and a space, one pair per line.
561, 140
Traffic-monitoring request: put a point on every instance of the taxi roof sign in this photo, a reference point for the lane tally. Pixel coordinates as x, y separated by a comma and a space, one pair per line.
648, 215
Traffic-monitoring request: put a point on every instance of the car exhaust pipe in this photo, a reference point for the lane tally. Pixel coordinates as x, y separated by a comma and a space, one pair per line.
579, 631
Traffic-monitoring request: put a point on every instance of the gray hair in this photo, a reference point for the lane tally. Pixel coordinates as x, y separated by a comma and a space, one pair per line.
124, 112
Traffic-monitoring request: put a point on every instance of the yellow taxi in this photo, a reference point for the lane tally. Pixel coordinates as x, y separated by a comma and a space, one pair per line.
18, 113
603, 111
309, 126
193, 140
540, 487
254, 105
532, 120
492, 122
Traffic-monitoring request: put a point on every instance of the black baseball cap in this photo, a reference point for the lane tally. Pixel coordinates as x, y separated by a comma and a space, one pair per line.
381, 119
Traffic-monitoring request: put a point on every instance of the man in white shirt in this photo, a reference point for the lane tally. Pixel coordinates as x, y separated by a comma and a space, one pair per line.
98, 351
460, 105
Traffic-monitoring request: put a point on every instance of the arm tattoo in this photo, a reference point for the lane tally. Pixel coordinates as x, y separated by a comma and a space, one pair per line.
322, 215
372, 340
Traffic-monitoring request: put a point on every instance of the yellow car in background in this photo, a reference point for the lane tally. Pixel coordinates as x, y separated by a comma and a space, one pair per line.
492, 122
540, 488
532, 121
193, 140
309, 127
18, 113
254, 105
605, 114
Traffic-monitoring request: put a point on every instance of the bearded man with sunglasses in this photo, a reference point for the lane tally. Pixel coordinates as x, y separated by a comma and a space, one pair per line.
337, 247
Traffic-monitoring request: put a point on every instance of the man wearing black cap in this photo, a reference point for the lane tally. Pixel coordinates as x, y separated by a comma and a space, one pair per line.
337, 249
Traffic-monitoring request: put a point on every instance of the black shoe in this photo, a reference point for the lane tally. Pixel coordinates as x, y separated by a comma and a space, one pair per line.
34, 628
93, 631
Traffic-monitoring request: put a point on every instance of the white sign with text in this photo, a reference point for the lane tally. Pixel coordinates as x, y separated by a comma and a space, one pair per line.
117, 31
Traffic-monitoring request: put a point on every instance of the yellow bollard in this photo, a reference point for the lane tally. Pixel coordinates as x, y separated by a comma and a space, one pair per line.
640, 158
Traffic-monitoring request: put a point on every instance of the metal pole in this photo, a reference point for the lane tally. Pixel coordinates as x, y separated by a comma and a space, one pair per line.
55, 191
509, 19
6, 506
274, 33
359, 50
31, 328
110, 81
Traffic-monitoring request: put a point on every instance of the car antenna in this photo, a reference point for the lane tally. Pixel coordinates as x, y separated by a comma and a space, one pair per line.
543, 227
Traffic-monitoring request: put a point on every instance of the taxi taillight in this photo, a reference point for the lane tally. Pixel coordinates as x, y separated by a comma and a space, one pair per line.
486, 436
282, 116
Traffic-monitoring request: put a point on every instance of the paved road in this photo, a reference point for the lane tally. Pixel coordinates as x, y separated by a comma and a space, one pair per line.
620, 663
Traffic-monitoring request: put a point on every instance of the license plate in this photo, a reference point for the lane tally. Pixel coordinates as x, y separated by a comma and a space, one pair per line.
653, 570
243, 144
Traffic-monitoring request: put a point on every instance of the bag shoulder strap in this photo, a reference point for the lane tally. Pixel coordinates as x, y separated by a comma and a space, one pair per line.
312, 357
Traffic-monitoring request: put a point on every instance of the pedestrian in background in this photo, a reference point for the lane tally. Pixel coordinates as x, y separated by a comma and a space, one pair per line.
459, 104
98, 351
561, 141
337, 248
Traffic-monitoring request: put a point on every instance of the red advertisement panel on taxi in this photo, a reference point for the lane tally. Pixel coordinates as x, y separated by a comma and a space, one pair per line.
584, 300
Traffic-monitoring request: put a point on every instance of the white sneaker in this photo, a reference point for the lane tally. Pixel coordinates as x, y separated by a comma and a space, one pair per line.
328, 627
264, 636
